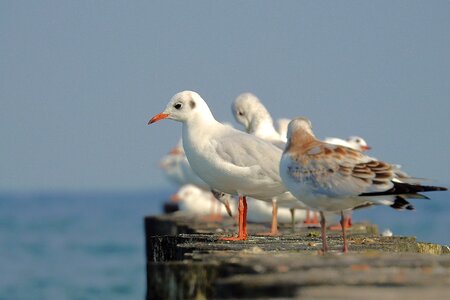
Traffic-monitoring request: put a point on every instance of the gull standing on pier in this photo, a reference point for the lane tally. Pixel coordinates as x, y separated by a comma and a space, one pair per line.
228, 160
248, 110
337, 179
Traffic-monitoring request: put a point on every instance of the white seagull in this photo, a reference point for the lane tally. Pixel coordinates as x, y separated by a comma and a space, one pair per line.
354, 142
228, 160
253, 115
333, 178
248, 110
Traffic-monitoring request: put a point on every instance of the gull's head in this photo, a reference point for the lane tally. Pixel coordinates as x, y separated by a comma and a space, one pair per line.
221, 196
299, 125
224, 199
182, 107
358, 143
248, 110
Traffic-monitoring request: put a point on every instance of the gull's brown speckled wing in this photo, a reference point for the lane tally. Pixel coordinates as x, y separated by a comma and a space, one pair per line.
339, 171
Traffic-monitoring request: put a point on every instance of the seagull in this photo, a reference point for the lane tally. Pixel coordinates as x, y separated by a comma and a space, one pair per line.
227, 159
248, 110
193, 199
333, 178
354, 142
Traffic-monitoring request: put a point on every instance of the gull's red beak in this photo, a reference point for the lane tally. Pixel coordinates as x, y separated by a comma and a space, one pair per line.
175, 151
175, 198
366, 148
157, 118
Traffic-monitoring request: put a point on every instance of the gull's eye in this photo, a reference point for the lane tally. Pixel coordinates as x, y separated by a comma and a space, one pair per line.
358, 140
241, 113
178, 106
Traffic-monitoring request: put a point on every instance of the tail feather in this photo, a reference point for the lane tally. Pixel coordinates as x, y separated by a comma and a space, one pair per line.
416, 196
401, 203
401, 188
403, 177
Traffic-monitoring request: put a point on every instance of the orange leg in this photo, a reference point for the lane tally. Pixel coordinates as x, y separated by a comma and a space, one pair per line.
347, 224
242, 234
274, 226
308, 217
274, 229
315, 219
344, 222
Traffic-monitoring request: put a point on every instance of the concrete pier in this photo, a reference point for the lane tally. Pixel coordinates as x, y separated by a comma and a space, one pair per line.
185, 260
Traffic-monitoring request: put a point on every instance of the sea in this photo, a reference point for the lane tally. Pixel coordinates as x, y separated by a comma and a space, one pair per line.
75, 245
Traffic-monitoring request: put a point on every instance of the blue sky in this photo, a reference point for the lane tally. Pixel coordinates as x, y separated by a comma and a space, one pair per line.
80, 79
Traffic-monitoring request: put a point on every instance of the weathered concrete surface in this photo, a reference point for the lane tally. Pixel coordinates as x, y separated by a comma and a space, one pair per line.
185, 260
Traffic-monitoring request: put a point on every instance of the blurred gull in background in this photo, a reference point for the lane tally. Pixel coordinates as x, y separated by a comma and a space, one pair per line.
198, 201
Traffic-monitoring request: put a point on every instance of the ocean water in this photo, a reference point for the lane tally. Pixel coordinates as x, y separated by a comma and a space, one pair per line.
91, 245
74, 246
